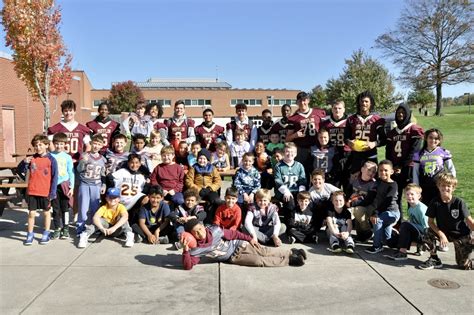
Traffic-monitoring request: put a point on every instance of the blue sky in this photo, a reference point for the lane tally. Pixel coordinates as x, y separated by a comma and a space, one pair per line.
253, 43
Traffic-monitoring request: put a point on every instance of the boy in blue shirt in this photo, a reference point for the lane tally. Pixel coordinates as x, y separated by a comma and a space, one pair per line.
65, 187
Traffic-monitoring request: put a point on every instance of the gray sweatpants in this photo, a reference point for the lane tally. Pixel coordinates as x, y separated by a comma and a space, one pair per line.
334, 240
248, 255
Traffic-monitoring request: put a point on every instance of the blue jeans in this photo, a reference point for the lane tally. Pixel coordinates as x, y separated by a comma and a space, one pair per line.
383, 227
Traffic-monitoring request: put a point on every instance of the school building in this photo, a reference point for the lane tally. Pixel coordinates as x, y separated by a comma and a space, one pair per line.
21, 117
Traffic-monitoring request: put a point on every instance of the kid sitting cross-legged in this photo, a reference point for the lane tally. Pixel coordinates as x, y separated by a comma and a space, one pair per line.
247, 180
339, 224
262, 220
111, 220
154, 219
300, 222
229, 215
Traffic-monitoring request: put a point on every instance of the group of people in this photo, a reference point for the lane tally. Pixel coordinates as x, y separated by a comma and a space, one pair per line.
323, 171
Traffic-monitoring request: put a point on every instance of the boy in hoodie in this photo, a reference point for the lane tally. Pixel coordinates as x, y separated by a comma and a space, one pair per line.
402, 143
104, 126
365, 126
236, 248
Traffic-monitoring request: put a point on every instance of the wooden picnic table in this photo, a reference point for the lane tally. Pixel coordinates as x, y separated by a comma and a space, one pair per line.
8, 165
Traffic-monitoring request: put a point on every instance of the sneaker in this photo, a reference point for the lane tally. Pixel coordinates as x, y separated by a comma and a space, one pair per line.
64, 233
56, 233
164, 239
138, 238
29, 239
398, 256
301, 252
45, 238
443, 248
178, 245
83, 240
431, 263
336, 249
291, 239
129, 241
374, 250
296, 260
349, 249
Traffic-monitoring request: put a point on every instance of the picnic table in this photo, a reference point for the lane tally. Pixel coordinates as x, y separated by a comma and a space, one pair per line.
9, 181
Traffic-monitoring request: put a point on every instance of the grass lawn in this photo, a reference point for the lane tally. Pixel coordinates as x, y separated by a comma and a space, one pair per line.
457, 127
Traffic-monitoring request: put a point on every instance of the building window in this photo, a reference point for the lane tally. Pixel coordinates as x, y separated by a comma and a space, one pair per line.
97, 103
248, 102
281, 102
197, 102
163, 102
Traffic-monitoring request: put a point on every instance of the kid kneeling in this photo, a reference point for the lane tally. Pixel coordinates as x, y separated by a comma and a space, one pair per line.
235, 247
154, 219
111, 220
453, 224
339, 224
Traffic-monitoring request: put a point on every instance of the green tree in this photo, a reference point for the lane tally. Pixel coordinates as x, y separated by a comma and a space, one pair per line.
39, 56
421, 96
318, 97
124, 96
362, 73
432, 43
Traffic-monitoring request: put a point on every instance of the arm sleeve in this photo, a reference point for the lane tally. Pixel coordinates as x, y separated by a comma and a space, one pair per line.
381, 135
229, 136
235, 235
70, 171
54, 178
164, 136
253, 137
191, 135
276, 224
189, 179
248, 223
216, 180
416, 173
189, 261
449, 165
180, 181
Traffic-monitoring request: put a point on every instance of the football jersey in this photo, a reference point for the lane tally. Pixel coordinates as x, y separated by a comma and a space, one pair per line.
179, 130
263, 134
336, 133
91, 170
432, 162
78, 135
322, 158
246, 126
130, 185
115, 161
208, 136
366, 129
309, 122
107, 130
292, 177
282, 129
401, 144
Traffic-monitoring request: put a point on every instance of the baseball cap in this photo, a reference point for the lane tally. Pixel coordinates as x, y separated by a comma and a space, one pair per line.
113, 192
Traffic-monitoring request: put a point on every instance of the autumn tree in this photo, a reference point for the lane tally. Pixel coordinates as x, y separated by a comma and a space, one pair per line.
432, 43
39, 56
362, 73
124, 96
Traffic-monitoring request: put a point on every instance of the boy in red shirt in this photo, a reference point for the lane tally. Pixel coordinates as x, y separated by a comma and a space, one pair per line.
229, 215
42, 182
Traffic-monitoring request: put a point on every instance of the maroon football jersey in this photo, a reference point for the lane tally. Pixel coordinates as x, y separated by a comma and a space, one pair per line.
247, 128
366, 129
159, 125
336, 133
309, 122
107, 130
263, 134
282, 129
207, 136
400, 144
77, 136
178, 131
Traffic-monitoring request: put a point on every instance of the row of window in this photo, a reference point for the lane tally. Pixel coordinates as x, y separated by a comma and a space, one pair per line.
233, 102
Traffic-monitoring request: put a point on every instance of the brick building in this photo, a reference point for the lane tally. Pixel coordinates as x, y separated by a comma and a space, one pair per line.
21, 117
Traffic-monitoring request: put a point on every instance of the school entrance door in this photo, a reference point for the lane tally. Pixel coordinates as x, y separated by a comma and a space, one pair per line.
8, 134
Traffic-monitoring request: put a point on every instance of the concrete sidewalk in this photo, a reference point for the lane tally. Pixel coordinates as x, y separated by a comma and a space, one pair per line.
107, 278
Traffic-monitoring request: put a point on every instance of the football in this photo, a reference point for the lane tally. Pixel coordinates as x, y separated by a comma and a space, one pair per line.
360, 145
189, 238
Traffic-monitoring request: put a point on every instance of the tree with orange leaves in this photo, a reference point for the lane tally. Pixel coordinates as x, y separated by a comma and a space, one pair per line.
39, 55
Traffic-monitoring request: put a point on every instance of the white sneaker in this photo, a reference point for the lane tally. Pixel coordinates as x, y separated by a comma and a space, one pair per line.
83, 240
130, 239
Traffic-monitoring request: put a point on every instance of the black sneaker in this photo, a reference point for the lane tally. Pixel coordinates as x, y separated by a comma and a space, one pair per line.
374, 250
336, 249
431, 263
301, 252
398, 256
296, 260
